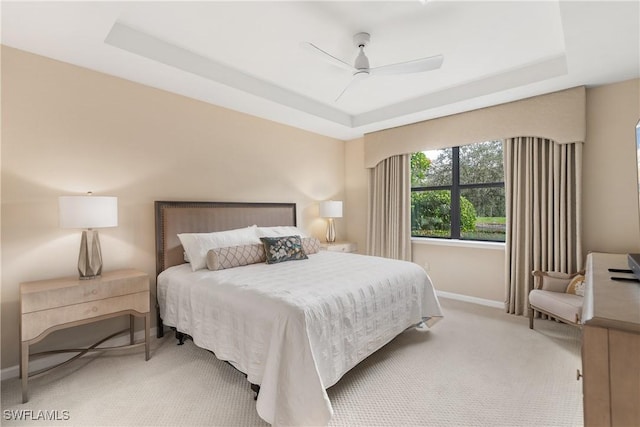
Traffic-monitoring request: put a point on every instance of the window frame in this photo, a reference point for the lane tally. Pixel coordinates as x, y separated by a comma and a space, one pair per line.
455, 188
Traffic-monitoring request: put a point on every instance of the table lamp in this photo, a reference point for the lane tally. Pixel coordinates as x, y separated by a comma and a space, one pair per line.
331, 209
88, 212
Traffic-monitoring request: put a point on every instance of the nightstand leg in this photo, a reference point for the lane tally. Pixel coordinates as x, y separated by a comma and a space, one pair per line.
147, 323
24, 371
131, 328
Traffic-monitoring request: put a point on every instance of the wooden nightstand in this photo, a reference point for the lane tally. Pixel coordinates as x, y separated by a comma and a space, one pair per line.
50, 305
339, 246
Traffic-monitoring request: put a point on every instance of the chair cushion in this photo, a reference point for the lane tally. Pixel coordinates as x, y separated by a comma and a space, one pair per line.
565, 306
555, 282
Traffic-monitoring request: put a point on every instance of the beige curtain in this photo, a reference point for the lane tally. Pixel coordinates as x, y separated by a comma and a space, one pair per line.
543, 197
389, 216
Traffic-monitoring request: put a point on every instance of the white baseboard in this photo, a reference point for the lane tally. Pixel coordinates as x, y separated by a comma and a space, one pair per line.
48, 361
474, 300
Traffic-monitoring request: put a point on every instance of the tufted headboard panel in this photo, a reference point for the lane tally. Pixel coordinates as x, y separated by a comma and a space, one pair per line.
174, 217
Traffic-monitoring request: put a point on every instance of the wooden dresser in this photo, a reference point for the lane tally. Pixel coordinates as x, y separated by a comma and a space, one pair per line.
50, 305
610, 344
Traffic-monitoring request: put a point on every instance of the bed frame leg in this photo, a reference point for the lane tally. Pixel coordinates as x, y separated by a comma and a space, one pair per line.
256, 389
159, 325
180, 337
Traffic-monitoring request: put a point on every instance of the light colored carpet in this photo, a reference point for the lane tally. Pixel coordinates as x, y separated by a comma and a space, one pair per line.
477, 367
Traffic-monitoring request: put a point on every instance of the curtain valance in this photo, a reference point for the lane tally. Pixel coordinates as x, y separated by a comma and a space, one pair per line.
559, 116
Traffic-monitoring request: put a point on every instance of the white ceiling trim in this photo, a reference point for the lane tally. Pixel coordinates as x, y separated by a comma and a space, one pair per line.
151, 47
554, 66
148, 46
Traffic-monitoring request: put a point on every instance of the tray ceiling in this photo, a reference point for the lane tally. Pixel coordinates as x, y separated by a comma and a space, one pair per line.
247, 56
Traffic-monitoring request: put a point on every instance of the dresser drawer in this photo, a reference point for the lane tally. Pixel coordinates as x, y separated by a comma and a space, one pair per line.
71, 292
37, 322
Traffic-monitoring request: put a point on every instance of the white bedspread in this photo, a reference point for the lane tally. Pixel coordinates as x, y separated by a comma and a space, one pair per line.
297, 327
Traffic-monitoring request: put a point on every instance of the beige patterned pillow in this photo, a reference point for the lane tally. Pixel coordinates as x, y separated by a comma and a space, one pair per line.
576, 286
235, 256
310, 245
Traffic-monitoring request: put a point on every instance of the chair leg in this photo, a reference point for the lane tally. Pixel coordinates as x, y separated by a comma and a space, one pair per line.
531, 316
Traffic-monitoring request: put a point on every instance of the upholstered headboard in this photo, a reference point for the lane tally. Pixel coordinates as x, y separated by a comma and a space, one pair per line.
173, 218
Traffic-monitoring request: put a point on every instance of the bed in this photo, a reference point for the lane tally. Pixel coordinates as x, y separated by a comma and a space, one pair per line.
293, 328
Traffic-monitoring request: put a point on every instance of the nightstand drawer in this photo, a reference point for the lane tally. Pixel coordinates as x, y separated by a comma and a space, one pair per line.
69, 292
339, 247
37, 322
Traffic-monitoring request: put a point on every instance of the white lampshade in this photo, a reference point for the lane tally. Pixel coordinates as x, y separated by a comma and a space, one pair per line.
331, 209
88, 211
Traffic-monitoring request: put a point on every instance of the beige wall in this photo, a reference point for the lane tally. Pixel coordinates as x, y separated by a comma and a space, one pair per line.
67, 130
610, 192
473, 272
356, 193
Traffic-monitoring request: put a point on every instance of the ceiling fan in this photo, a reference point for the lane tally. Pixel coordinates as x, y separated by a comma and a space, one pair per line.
360, 68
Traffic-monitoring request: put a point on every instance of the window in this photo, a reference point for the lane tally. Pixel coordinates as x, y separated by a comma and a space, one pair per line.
458, 193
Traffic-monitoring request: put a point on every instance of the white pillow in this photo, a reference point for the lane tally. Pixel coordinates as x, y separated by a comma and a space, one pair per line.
281, 231
196, 245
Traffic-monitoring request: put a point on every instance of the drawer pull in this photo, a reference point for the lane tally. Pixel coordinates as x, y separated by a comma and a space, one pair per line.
94, 292
578, 375
94, 309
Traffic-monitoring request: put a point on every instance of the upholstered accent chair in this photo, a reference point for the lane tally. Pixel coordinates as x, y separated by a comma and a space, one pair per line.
558, 295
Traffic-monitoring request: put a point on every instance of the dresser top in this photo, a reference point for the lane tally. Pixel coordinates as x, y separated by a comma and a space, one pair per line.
609, 303
67, 282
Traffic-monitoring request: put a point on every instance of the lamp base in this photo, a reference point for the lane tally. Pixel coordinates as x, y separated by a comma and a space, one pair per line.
90, 263
331, 231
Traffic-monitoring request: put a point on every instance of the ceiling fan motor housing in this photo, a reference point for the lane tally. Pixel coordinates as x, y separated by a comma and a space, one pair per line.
361, 40
362, 62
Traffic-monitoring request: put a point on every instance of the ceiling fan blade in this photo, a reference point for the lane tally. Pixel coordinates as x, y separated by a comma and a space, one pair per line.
414, 66
343, 91
357, 78
310, 47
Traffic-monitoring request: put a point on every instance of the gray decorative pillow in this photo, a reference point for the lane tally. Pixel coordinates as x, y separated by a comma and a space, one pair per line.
280, 249
310, 245
235, 256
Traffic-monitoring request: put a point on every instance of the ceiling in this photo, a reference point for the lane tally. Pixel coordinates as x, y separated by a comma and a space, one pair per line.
247, 56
